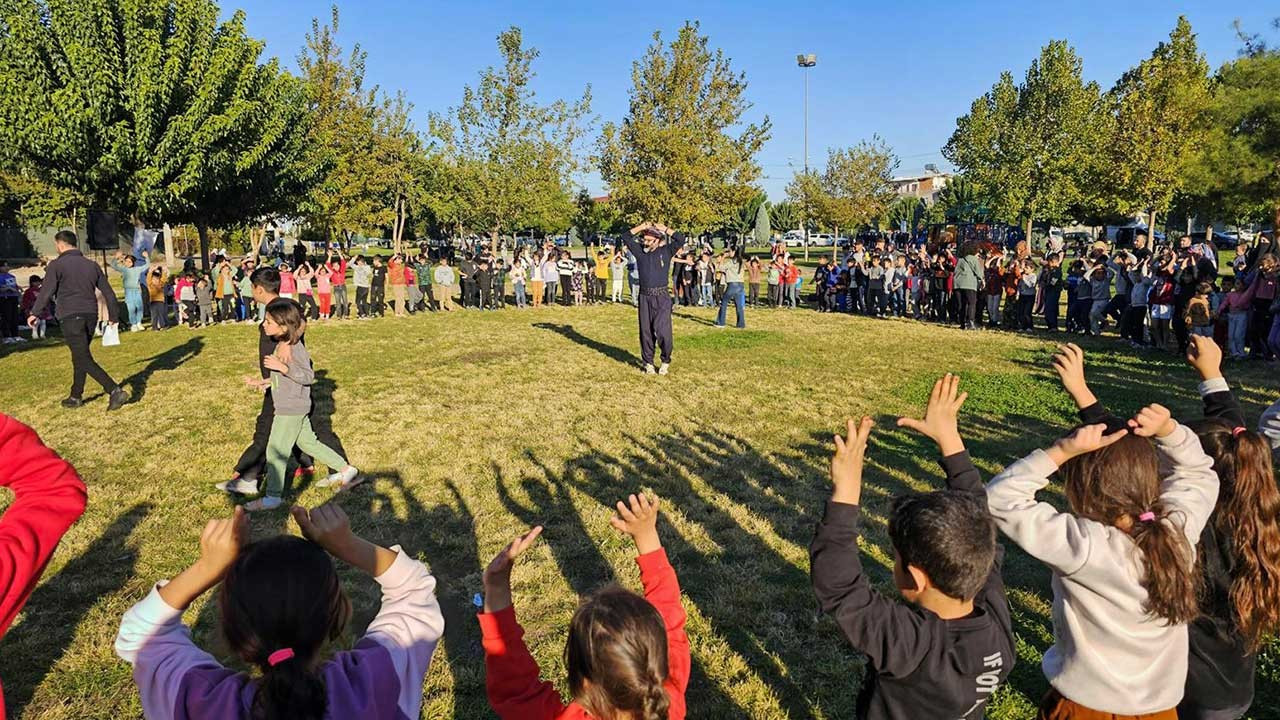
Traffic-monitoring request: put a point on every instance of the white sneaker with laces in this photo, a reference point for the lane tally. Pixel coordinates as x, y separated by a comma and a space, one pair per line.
239, 486
342, 478
648, 369
664, 369
266, 502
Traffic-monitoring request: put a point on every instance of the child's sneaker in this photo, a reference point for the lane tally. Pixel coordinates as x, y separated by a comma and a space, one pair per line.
239, 486
342, 479
648, 369
267, 502
664, 369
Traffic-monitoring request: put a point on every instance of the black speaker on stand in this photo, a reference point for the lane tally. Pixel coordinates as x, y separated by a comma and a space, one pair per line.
102, 233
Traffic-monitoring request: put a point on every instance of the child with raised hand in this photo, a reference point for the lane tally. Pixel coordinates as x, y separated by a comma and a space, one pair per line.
290, 385
627, 656
946, 652
1123, 558
280, 604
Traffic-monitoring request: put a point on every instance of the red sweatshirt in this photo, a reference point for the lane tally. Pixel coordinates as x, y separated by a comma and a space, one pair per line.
48, 497
511, 673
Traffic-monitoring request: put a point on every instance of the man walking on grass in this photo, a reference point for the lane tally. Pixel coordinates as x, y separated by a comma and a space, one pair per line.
653, 246
70, 280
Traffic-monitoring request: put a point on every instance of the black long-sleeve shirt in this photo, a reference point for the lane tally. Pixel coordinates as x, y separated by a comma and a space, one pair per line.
71, 278
1220, 669
920, 666
653, 267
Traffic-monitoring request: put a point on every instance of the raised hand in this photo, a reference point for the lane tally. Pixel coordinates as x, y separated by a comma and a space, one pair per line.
940, 417
221, 541
1068, 362
497, 575
1086, 439
846, 463
638, 517
325, 525
1205, 356
1153, 421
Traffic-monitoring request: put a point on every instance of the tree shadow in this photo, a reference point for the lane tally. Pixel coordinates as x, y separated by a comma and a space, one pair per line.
55, 610
170, 359
610, 351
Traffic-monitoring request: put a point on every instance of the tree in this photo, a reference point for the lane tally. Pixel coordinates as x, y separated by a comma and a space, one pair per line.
761, 232
960, 201
1160, 121
675, 156
593, 218
154, 109
1237, 167
907, 211
857, 183
808, 195
516, 155
1032, 147
742, 220
782, 215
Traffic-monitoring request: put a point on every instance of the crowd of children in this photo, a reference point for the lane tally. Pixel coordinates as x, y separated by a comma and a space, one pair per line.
1155, 298
1165, 570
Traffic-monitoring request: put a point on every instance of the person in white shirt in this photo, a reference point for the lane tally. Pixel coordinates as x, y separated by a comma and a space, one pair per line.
442, 288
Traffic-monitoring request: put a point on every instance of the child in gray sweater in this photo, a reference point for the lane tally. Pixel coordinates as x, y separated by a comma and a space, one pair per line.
290, 385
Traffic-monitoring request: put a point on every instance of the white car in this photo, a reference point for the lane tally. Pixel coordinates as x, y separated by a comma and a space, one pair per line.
822, 240
793, 239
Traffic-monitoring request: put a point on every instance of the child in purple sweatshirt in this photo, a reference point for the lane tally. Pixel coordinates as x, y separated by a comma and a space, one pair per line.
280, 603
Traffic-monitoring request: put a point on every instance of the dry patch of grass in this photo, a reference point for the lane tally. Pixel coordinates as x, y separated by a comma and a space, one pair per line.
478, 424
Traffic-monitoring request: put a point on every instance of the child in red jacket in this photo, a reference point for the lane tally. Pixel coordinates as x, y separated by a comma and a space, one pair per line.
626, 654
48, 497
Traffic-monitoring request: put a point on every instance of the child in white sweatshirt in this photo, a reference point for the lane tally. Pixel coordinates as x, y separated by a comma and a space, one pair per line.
1124, 584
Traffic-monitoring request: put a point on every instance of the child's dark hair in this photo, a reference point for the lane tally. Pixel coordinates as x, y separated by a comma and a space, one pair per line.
949, 535
267, 278
287, 314
1122, 481
618, 642
1248, 512
1204, 288
283, 593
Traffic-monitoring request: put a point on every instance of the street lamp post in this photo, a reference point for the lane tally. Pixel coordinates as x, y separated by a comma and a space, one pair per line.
806, 61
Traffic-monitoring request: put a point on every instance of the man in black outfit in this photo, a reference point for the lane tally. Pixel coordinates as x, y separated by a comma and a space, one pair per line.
244, 480
653, 253
70, 280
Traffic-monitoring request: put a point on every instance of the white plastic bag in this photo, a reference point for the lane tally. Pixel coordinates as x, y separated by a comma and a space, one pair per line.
111, 336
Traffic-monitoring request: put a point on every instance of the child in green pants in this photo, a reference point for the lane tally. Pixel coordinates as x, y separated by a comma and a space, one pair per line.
290, 383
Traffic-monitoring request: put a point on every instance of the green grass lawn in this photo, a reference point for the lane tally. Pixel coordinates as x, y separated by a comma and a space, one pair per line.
475, 426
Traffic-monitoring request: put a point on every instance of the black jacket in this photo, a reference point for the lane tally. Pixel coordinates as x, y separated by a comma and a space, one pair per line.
71, 279
653, 267
919, 665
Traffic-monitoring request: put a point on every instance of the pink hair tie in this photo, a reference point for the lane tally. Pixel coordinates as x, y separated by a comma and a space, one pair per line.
1237, 432
279, 656
1147, 516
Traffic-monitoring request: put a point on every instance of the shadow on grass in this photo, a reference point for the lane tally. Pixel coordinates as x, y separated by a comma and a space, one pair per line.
694, 319
610, 351
56, 609
170, 359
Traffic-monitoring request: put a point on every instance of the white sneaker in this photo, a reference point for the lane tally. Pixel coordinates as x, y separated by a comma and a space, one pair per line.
343, 478
266, 502
664, 369
648, 369
239, 486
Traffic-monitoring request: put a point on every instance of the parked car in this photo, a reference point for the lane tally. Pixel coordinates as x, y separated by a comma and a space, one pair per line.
1221, 240
793, 238
822, 239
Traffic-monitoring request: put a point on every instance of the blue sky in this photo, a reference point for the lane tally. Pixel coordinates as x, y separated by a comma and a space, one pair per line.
904, 71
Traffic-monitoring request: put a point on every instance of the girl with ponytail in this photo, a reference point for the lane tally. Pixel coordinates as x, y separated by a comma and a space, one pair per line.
1239, 553
627, 656
281, 603
1140, 493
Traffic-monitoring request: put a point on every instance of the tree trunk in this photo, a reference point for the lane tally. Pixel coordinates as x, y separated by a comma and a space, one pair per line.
168, 248
203, 231
1151, 227
1028, 235
1208, 234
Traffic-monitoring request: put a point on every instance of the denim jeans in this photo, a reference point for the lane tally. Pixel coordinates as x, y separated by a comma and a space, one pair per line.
1237, 330
705, 299
133, 301
733, 293
520, 297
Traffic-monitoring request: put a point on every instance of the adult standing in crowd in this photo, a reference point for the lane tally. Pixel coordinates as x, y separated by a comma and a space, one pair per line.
968, 280
733, 265
654, 246
70, 281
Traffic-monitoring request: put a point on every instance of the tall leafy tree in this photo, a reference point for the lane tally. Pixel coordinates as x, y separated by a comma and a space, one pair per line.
857, 183
742, 220
782, 216
153, 108
1238, 164
684, 154
1032, 147
961, 201
761, 232
518, 154
1160, 120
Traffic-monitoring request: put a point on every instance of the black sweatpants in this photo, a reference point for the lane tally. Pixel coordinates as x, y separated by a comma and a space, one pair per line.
655, 325
968, 308
9, 316
77, 332
377, 301
362, 301
254, 457
1051, 301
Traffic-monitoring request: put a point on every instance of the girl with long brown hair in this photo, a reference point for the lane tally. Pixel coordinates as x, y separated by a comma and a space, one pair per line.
1123, 557
627, 656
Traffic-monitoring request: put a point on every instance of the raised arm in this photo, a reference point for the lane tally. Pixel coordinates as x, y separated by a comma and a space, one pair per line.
1220, 403
1068, 362
941, 424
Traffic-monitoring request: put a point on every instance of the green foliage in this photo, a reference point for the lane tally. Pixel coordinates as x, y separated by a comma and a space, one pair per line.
856, 184
674, 158
153, 108
510, 157
910, 210
783, 216
592, 219
808, 195
1032, 150
761, 232
742, 221
1160, 110
961, 201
